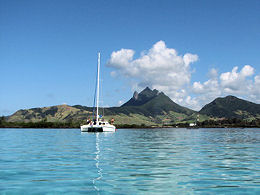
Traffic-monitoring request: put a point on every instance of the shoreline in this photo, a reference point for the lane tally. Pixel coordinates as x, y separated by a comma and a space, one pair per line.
227, 123
147, 127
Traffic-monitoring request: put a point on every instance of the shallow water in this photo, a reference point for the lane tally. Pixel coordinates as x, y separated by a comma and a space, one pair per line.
130, 161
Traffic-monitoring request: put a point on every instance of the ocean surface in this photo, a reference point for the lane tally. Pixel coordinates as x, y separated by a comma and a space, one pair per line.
130, 161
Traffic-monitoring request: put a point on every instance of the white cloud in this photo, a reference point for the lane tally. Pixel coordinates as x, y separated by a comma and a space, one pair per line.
210, 86
255, 95
192, 103
121, 58
228, 83
257, 81
198, 87
206, 91
247, 70
161, 68
236, 82
189, 58
164, 69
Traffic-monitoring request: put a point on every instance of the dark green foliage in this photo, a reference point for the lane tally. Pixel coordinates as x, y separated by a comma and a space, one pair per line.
226, 123
52, 111
233, 122
135, 126
41, 124
228, 106
90, 109
162, 103
39, 110
152, 103
2, 120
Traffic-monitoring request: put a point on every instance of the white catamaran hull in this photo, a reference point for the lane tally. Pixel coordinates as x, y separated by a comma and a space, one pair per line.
98, 128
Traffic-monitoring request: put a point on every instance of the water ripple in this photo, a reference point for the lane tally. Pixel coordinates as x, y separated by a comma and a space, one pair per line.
136, 161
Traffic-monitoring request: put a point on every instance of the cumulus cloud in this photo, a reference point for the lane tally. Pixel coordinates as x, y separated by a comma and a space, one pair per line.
162, 68
206, 91
121, 58
210, 86
255, 89
234, 82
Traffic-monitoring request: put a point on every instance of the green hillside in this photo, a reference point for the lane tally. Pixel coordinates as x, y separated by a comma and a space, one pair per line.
148, 107
60, 113
231, 107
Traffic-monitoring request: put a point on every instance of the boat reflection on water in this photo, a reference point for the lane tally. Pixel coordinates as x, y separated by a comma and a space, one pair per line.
99, 169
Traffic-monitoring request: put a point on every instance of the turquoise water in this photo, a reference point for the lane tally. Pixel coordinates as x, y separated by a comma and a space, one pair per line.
136, 161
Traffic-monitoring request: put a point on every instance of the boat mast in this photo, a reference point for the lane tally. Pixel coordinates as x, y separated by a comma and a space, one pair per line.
97, 98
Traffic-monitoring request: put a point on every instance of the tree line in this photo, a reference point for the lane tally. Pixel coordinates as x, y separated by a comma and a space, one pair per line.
41, 124
234, 122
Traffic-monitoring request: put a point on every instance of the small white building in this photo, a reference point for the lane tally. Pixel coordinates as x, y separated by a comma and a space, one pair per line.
192, 124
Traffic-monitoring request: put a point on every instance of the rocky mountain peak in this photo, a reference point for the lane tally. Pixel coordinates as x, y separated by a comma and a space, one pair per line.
143, 97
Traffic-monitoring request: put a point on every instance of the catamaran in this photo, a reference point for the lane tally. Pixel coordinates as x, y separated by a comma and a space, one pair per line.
98, 124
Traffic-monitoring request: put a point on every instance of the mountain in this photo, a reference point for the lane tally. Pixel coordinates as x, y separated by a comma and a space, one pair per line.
153, 103
139, 99
148, 107
231, 107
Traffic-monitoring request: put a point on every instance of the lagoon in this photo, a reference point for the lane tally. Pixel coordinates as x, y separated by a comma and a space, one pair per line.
130, 161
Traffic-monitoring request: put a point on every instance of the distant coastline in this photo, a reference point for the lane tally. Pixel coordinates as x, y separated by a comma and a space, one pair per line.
228, 123
147, 109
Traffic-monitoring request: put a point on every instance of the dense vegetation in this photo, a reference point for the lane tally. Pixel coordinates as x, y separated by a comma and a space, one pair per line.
231, 123
40, 124
231, 107
235, 122
223, 123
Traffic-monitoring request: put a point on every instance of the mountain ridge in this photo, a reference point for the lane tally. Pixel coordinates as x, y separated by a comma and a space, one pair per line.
231, 107
141, 98
149, 107
155, 102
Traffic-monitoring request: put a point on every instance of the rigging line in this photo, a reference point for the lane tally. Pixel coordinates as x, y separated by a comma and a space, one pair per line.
94, 100
101, 91
101, 94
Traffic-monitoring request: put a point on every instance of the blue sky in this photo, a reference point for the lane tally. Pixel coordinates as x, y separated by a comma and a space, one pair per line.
48, 50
